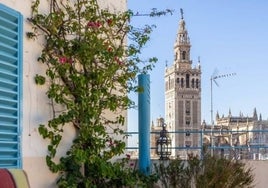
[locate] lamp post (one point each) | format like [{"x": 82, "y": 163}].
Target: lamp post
[{"x": 163, "y": 143}]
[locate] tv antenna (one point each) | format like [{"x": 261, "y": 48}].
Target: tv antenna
[{"x": 213, "y": 78}]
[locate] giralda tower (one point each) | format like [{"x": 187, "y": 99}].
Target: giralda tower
[{"x": 183, "y": 96}]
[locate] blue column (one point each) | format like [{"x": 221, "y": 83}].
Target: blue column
[{"x": 144, "y": 123}]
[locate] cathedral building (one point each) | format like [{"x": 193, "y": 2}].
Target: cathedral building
[
  {"x": 183, "y": 97},
  {"x": 238, "y": 137}
]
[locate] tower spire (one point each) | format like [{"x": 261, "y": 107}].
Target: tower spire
[
  {"x": 182, "y": 46},
  {"x": 181, "y": 13}
]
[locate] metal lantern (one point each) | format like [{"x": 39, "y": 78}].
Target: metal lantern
[{"x": 163, "y": 144}]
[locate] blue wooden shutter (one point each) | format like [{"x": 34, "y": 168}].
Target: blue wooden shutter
[{"x": 10, "y": 87}]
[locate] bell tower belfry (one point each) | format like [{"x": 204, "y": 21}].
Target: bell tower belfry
[
  {"x": 182, "y": 46},
  {"x": 183, "y": 96}
]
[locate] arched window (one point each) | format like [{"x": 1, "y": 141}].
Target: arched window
[
  {"x": 178, "y": 80},
  {"x": 187, "y": 80},
  {"x": 197, "y": 83},
  {"x": 184, "y": 55},
  {"x": 187, "y": 133},
  {"x": 188, "y": 108},
  {"x": 192, "y": 83},
  {"x": 182, "y": 82}
]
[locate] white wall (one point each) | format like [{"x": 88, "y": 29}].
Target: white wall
[{"x": 36, "y": 108}]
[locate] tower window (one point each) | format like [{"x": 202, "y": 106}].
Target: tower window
[
  {"x": 182, "y": 82},
  {"x": 192, "y": 83},
  {"x": 187, "y": 80},
  {"x": 183, "y": 55},
  {"x": 187, "y": 111},
  {"x": 187, "y": 107},
  {"x": 187, "y": 122},
  {"x": 187, "y": 143},
  {"x": 188, "y": 133},
  {"x": 197, "y": 83}
]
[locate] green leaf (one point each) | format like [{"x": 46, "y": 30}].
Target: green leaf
[{"x": 39, "y": 80}]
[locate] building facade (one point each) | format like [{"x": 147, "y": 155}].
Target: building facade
[{"x": 183, "y": 96}]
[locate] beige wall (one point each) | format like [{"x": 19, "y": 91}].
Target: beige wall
[
  {"x": 36, "y": 108},
  {"x": 260, "y": 169}
]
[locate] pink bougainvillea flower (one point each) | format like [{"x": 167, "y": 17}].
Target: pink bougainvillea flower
[
  {"x": 110, "y": 49},
  {"x": 94, "y": 25},
  {"x": 118, "y": 61},
  {"x": 63, "y": 60},
  {"x": 110, "y": 142},
  {"x": 91, "y": 24},
  {"x": 128, "y": 156},
  {"x": 109, "y": 22}
]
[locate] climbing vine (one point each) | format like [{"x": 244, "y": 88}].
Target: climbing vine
[{"x": 90, "y": 69}]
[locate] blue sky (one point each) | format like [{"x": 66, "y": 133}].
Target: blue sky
[{"x": 230, "y": 36}]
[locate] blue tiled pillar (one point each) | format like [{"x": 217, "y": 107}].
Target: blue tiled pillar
[{"x": 144, "y": 123}]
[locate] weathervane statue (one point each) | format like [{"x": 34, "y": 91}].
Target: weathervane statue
[{"x": 181, "y": 13}]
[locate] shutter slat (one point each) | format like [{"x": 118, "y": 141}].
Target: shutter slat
[
  {"x": 8, "y": 58},
  {"x": 8, "y": 78},
  {"x": 8, "y": 68},
  {"x": 10, "y": 88},
  {"x": 9, "y": 24},
  {"x": 9, "y": 32},
  {"x": 7, "y": 15},
  {"x": 8, "y": 129},
  {"x": 8, "y": 40},
  {"x": 9, "y": 50}
]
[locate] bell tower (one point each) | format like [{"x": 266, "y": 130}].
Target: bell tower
[{"x": 183, "y": 96}]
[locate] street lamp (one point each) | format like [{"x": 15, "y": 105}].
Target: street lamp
[{"x": 163, "y": 143}]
